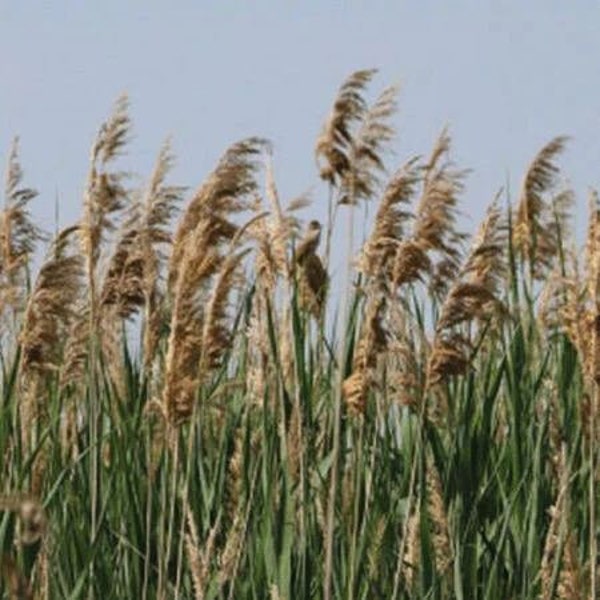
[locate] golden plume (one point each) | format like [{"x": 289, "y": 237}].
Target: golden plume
[
  {"x": 18, "y": 236},
  {"x": 105, "y": 193},
  {"x": 559, "y": 565},
  {"x": 228, "y": 190},
  {"x": 436, "y": 212},
  {"x": 74, "y": 364},
  {"x": 134, "y": 270},
  {"x": 472, "y": 296},
  {"x": 361, "y": 180},
  {"x": 204, "y": 258},
  {"x": 49, "y": 313},
  {"x": 372, "y": 343},
  {"x": 216, "y": 331},
  {"x": 335, "y": 140},
  {"x": 377, "y": 257},
  {"x": 534, "y": 237},
  {"x": 273, "y": 234}
]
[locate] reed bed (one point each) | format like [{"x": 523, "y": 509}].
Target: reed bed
[{"x": 192, "y": 409}]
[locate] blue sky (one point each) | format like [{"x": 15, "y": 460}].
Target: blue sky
[{"x": 506, "y": 76}]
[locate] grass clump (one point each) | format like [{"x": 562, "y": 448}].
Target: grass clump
[{"x": 182, "y": 417}]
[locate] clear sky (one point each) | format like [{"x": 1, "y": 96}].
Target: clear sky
[{"x": 505, "y": 75}]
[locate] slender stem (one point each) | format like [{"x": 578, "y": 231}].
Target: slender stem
[
  {"x": 337, "y": 418},
  {"x": 592, "y": 491},
  {"x": 94, "y": 425},
  {"x": 412, "y": 486},
  {"x": 185, "y": 494},
  {"x": 301, "y": 455},
  {"x": 173, "y": 500},
  {"x": 161, "y": 561},
  {"x": 331, "y": 213},
  {"x": 358, "y": 474},
  {"x": 149, "y": 494},
  {"x": 245, "y": 533}
]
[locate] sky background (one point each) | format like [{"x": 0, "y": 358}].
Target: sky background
[{"x": 506, "y": 76}]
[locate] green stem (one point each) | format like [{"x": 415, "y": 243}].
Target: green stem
[{"x": 337, "y": 417}]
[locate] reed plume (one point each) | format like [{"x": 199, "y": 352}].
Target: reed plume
[
  {"x": 534, "y": 237},
  {"x": 49, "y": 309},
  {"x": 133, "y": 277},
  {"x": 575, "y": 297},
  {"x": 472, "y": 296},
  {"x": 258, "y": 353},
  {"x": 475, "y": 293},
  {"x": 122, "y": 288},
  {"x": 335, "y": 141},
  {"x": 198, "y": 260},
  {"x": 361, "y": 180},
  {"x": 377, "y": 256},
  {"x": 216, "y": 331},
  {"x": 592, "y": 246},
  {"x": 440, "y": 536},
  {"x": 199, "y": 557},
  {"x": 559, "y": 555},
  {"x": 47, "y": 317},
  {"x": 185, "y": 339},
  {"x": 433, "y": 246},
  {"x": 434, "y": 229},
  {"x": 75, "y": 356},
  {"x": 271, "y": 235},
  {"x": 227, "y": 191},
  {"x": 134, "y": 271},
  {"x": 429, "y": 510},
  {"x": 592, "y": 282},
  {"x": 18, "y": 236},
  {"x": 105, "y": 193},
  {"x": 372, "y": 343},
  {"x": 407, "y": 357},
  {"x": 411, "y": 263},
  {"x": 412, "y": 555},
  {"x": 160, "y": 204}
]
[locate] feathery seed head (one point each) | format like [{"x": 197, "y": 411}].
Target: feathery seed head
[{"x": 336, "y": 137}]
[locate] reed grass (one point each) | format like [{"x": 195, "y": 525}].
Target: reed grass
[{"x": 187, "y": 414}]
